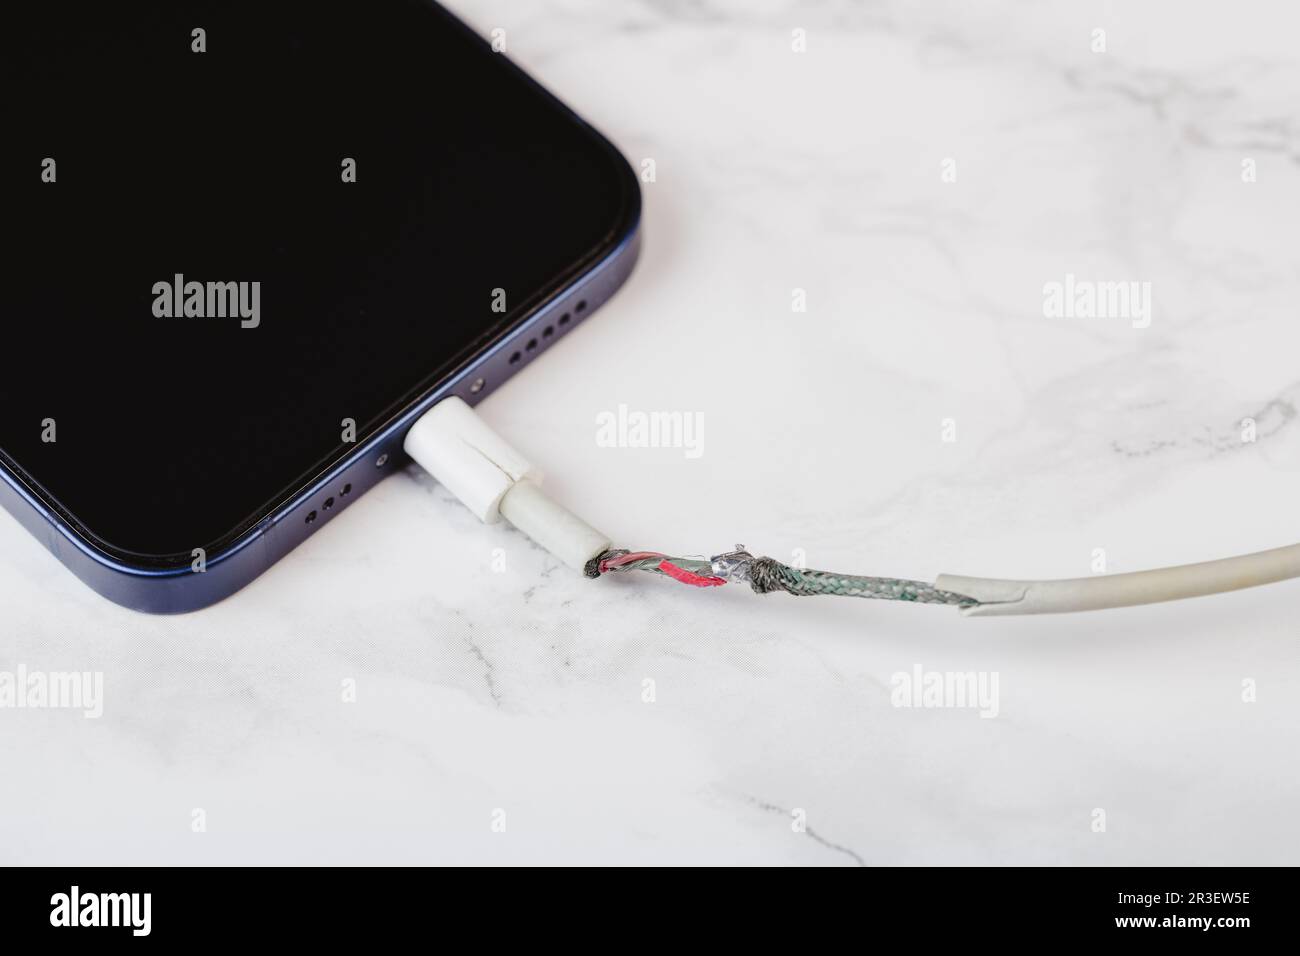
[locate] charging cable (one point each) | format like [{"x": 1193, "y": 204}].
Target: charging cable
[{"x": 494, "y": 481}]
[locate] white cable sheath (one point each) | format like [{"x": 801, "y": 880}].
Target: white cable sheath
[
  {"x": 998, "y": 596},
  {"x": 494, "y": 481},
  {"x": 551, "y": 525}
]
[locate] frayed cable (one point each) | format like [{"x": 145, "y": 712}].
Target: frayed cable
[{"x": 766, "y": 575}]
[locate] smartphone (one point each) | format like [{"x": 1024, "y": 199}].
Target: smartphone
[{"x": 249, "y": 244}]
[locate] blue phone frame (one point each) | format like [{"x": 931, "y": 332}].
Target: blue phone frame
[{"x": 179, "y": 589}]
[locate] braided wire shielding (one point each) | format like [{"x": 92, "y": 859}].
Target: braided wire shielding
[{"x": 768, "y": 574}]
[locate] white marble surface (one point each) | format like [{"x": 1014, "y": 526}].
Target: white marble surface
[{"x": 522, "y": 690}]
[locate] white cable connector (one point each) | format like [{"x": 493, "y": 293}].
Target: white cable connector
[{"x": 494, "y": 481}]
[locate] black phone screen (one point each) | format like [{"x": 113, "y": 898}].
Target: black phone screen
[{"x": 234, "y": 227}]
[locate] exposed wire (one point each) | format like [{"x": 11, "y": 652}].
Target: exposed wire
[
  {"x": 767, "y": 574},
  {"x": 496, "y": 482}
]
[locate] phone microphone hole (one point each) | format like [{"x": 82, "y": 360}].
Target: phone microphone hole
[
  {"x": 329, "y": 503},
  {"x": 311, "y": 516},
  {"x": 347, "y": 490}
]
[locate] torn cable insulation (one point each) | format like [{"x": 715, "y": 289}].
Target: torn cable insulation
[{"x": 766, "y": 575}]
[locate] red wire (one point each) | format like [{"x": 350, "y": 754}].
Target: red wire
[
  {"x": 667, "y": 567},
  {"x": 689, "y": 577}
]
